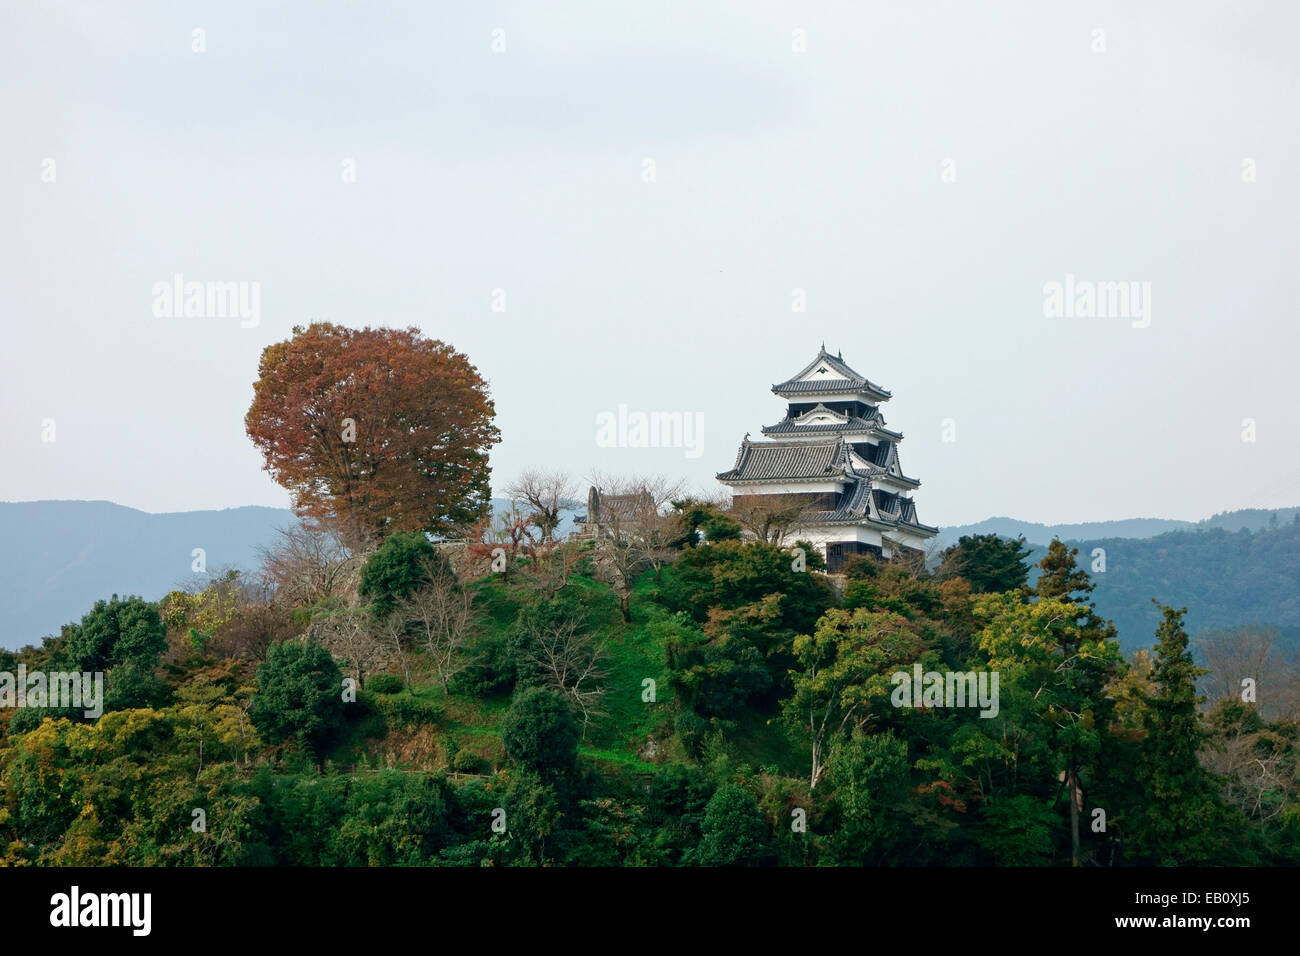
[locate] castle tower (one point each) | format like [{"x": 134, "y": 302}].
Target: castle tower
[{"x": 833, "y": 455}]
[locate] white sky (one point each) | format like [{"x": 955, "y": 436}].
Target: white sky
[{"x": 776, "y": 170}]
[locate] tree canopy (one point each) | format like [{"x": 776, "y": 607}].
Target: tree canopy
[{"x": 383, "y": 428}]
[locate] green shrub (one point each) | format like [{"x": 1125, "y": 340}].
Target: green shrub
[
  {"x": 466, "y": 761},
  {"x": 384, "y": 684},
  {"x": 407, "y": 711},
  {"x": 492, "y": 673},
  {"x": 540, "y": 733},
  {"x": 734, "y": 831}
]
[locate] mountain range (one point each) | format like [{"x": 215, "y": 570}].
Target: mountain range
[{"x": 59, "y": 557}]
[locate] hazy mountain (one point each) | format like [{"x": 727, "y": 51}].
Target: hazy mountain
[
  {"x": 1252, "y": 519},
  {"x": 59, "y": 557}
]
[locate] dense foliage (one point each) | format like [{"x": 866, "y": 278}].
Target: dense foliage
[{"x": 748, "y": 714}]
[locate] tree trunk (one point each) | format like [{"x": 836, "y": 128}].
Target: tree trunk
[{"x": 1074, "y": 816}]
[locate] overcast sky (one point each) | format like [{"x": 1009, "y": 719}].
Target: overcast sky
[{"x": 920, "y": 171}]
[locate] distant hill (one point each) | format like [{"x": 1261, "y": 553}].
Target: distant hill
[
  {"x": 1252, "y": 519},
  {"x": 1235, "y": 568},
  {"x": 59, "y": 557},
  {"x": 1224, "y": 579}
]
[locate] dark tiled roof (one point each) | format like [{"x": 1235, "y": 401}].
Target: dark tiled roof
[
  {"x": 897, "y": 509},
  {"x": 759, "y": 461},
  {"x": 882, "y": 454},
  {"x": 852, "y": 423},
  {"x": 852, "y": 508},
  {"x": 852, "y": 381}
]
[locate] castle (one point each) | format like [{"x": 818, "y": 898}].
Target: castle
[{"x": 833, "y": 458}]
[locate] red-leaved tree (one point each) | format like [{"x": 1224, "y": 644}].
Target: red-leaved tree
[{"x": 381, "y": 428}]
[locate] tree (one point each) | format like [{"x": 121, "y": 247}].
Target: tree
[
  {"x": 843, "y": 668},
  {"x": 714, "y": 677},
  {"x": 309, "y": 563},
  {"x": 734, "y": 831},
  {"x": 441, "y": 614},
  {"x": 396, "y": 569},
  {"x": 749, "y": 590},
  {"x": 234, "y": 615},
  {"x": 124, "y": 638},
  {"x": 659, "y": 529},
  {"x": 391, "y": 635},
  {"x": 540, "y": 734},
  {"x": 547, "y": 493},
  {"x": 299, "y": 695},
  {"x": 635, "y": 532},
  {"x": 354, "y": 638},
  {"x": 561, "y": 649},
  {"x": 769, "y": 518},
  {"x": 118, "y": 631},
  {"x": 705, "y": 519},
  {"x": 868, "y": 777},
  {"x": 1178, "y": 820},
  {"x": 1060, "y": 577},
  {"x": 1056, "y": 662},
  {"x": 990, "y": 563},
  {"x": 1254, "y": 652},
  {"x": 384, "y": 428},
  {"x": 1258, "y": 763}
]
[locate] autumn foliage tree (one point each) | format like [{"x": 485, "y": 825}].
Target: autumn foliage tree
[{"x": 382, "y": 428}]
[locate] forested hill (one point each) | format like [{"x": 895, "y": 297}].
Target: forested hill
[
  {"x": 1223, "y": 578},
  {"x": 1251, "y": 519}
]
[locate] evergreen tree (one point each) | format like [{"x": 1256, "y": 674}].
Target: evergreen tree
[
  {"x": 1060, "y": 577},
  {"x": 399, "y": 567},
  {"x": 540, "y": 733},
  {"x": 734, "y": 831},
  {"x": 1179, "y": 820},
  {"x": 1056, "y": 662},
  {"x": 300, "y": 694},
  {"x": 990, "y": 563}
]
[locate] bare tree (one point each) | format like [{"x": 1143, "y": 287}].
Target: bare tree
[
  {"x": 549, "y": 568},
  {"x": 349, "y": 634},
  {"x": 633, "y": 529},
  {"x": 569, "y": 657},
  {"x": 225, "y": 613},
  {"x": 309, "y": 563},
  {"x": 510, "y": 534},
  {"x": 1254, "y": 763},
  {"x": 442, "y": 616},
  {"x": 547, "y": 493},
  {"x": 770, "y": 518},
  {"x": 1230, "y": 656},
  {"x": 658, "y": 528},
  {"x": 391, "y": 633}
]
